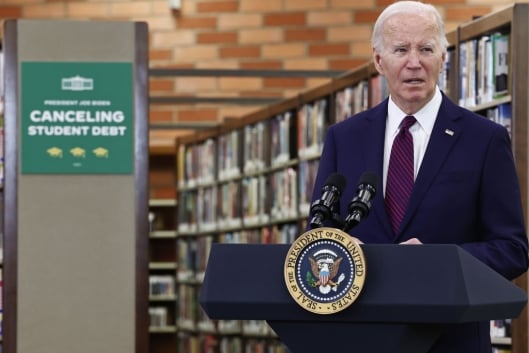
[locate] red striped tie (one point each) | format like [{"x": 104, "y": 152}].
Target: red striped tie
[{"x": 399, "y": 181}]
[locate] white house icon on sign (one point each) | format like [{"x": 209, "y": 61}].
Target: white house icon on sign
[{"x": 77, "y": 83}]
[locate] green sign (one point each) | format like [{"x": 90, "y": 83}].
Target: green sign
[{"x": 76, "y": 118}]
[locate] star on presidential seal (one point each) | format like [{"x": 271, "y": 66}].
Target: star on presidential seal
[{"x": 325, "y": 270}]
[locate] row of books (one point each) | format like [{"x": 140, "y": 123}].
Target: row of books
[
  {"x": 189, "y": 343},
  {"x": 239, "y": 345},
  {"x": 501, "y": 114},
  {"x": 484, "y": 65},
  {"x": 159, "y": 317},
  {"x": 161, "y": 286},
  {"x": 193, "y": 252},
  {"x": 273, "y": 234},
  {"x": 187, "y": 307},
  {"x": 500, "y": 328},
  {"x": 221, "y": 158},
  {"x": 228, "y": 156},
  {"x": 283, "y": 192},
  {"x": 207, "y": 209},
  {"x": 192, "y": 318},
  {"x": 307, "y": 176},
  {"x": 195, "y": 165},
  {"x": 255, "y": 155},
  {"x": 312, "y": 124},
  {"x": 187, "y": 211},
  {"x": 256, "y": 328},
  {"x": 281, "y": 128},
  {"x": 351, "y": 100},
  {"x": 444, "y": 81},
  {"x": 266, "y": 144},
  {"x": 254, "y": 200},
  {"x": 359, "y": 97},
  {"x": 248, "y": 202},
  {"x": 231, "y": 344}
]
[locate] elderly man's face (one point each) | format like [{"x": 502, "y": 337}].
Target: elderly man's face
[{"x": 411, "y": 60}]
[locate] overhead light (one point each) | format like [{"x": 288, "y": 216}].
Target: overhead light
[{"x": 175, "y": 4}]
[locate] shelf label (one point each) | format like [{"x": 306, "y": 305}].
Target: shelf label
[{"x": 76, "y": 118}]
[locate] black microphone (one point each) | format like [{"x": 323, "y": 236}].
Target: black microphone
[
  {"x": 360, "y": 205},
  {"x": 321, "y": 209}
]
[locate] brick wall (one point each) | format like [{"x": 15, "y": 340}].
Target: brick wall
[{"x": 241, "y": 34}]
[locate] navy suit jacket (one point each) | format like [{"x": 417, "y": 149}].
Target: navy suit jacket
[{"x": 466, "y": 193}]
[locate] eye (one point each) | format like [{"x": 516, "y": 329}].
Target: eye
[{"x": 400, "y": 50}]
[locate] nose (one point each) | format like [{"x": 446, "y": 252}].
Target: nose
[{"x": 414, "y": 59}]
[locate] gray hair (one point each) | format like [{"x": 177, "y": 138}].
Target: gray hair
[{"x": 407, "y": 7}]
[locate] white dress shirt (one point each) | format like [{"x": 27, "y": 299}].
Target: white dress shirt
[{"x": 420, "y": 131}]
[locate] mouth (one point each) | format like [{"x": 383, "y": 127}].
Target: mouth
[{"x": 414, "y": 81}]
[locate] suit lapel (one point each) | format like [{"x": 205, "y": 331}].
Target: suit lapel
[
  {"x": 445, "y": 133},
  {"x": 374, "y": 151}
]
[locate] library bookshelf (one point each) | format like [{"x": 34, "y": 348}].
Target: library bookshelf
[
  {"x": 162, "y": 216},
  {"x": 511, "y": 24},
  {"x": 250, "y": 180}
]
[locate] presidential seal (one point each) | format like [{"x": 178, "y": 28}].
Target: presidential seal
[{"x": 325, "y": 270}]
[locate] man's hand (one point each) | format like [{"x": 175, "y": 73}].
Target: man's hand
[{"x": 412, "y": 241}]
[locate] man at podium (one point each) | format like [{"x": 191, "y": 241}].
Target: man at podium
[{"x": 447, "y": 175}]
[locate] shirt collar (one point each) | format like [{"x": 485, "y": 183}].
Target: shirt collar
[{"x": 425, "y": 117}]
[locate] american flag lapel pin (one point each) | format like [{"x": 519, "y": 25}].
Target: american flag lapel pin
[{"x": 449, "y": 132}]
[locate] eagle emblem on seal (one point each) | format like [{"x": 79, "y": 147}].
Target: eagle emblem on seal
[{"x": 325, "y": 265}]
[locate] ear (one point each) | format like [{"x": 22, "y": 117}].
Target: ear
[
  {"x": 443, "y": 62},
  {"x": 377, "y": 59}
]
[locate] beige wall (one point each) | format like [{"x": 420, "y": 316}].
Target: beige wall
[
  {"x": 76, "y": 262},
  {"x": 233, "y": 34}
]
